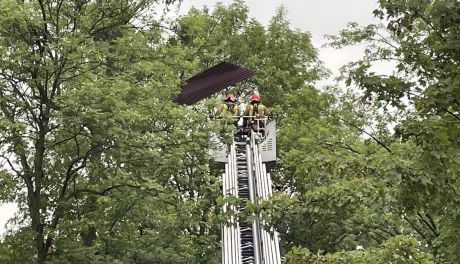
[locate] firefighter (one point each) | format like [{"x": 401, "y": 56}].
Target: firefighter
[
  {"x": 255, "y": 113},
  {"x": 229, "y": 105}
]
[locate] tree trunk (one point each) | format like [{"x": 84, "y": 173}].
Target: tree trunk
[
  {"x": 35, "y": 193},
  {"x": 37, "y": 226}
]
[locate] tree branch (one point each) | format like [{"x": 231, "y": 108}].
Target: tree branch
[
  {"x": 452, "y": 114},
  {"x": 355, "y": 126},
  {"x": 107, "y": 190},
  {"x": 71, "y": 171},
  {"x": 432, "y": 228},
  {"x": 418, "y": 230}
]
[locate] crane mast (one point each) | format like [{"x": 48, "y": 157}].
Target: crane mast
[{"x": 246, "y": 177}]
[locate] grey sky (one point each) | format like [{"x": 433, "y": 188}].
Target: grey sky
[
  {"x": 319, "y": 17},
  {"x": 6, "y": 212},
  {"x": 316, "y": 16}
]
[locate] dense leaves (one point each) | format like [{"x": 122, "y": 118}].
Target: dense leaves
[
  {"x": 383, "y": 173},
  {"x": 101, "y": 162},
  {"x": 105, "y": 168}
]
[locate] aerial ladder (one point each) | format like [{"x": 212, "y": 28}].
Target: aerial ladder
[{"x": 246, "y": 177}]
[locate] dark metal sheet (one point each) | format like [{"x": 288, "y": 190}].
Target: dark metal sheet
[{"x": 211, "y": 81}]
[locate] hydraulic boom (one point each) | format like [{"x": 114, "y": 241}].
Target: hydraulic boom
[{"x": 246, "y": 177}]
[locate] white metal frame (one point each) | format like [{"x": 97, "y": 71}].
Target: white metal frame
[{"x": 265, "y": 242}]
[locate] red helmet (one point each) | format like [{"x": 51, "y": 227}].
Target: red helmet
[
  {"x": 255, "y": 97},
  {"x": 229, "y": 97}
]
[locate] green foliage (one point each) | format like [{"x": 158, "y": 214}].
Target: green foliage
[
  {"x": 105, "y": 168},
  {"x": 101, "y": 162},
  {"x": 399, "y": 249},
  {"x": 359, "y": 182}
]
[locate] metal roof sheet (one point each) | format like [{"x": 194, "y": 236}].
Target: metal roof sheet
[{"x": 212, "y": 80}]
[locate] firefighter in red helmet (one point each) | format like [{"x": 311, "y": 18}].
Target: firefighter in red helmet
[
  {"x": 255, "y": 110},
  {"x": 229, "y": 106}
]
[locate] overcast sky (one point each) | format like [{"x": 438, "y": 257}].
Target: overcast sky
[{"x": 319, "y": 17}]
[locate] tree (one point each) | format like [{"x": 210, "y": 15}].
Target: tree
[
  {"x": 357, "y": 180},
  {"x": 86, "y": 120},
  {"x": 104, "y": 166},
  {"x": 425, "y": 38}
]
